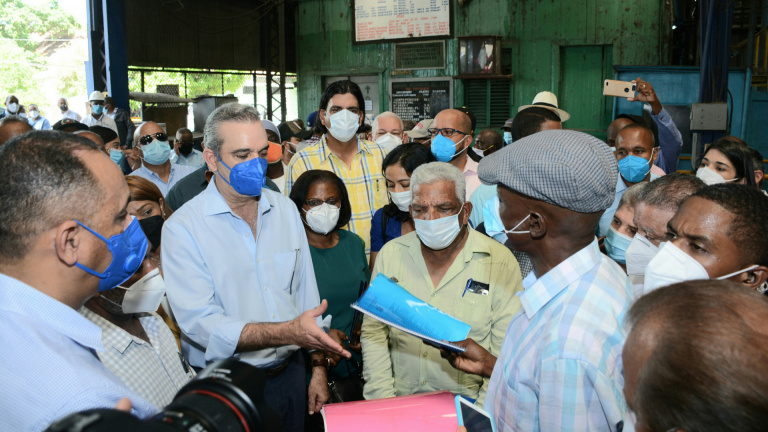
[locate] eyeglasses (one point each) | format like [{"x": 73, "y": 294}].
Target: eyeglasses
[
  {"x": 446, "y": 132},
  {"x": 146, "y": 139},
  {"x": 314, "y": 202}
]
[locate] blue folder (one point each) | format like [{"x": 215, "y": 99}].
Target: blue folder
[{"x": 391, "y": 304}]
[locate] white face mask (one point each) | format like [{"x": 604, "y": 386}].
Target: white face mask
[
  {"x": 402, "y": 200},
  {"x": 638, "y": 255},
  {"x": 13, "y": 107},
  {"x": 438, "y": 234},
  {"x": 672, "y": 265},
  {"x": 480, "y": 153},
  {"x": 344, "y": 125},
  {"x": 34, "y": 113},
  {"x": 323, "y": 218},
  {"x": 389, "y": 141},
  {"x": 145, "y": 294},
  {"x": 710, "y": 176}
]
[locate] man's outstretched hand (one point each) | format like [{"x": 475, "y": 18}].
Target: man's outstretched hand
[
  {"x": 307, "y": 334},
  {"x": 475, "y": 360}
]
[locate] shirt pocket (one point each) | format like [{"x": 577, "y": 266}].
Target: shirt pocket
[
  {"x": 281, "y": 269},
  {"x": 475, "y": 310}
]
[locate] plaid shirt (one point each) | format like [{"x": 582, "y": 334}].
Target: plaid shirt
[
  {"x": 155, "y": 372},
  {"x": 560, "y": 364},
  {"x": 364, "y": 180}
]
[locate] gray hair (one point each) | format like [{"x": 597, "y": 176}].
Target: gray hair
[
  {"x": 137, "y": 134},
  {"x": 629, "y": 197},
  {"x": 231, "y": 112},
  {"x": 669, "y": 192},
  {"x": 385, "y": 114},
  {"x": 440, "y": 171}
]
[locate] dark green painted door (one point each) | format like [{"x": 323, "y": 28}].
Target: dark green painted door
[{"x": 582, "y": 71}]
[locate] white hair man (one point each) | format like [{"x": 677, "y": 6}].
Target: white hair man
[
  {"x": 387, "y": 130},
  {"x": 455, "y": 269}
]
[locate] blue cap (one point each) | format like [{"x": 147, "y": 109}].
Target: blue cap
[{"x": 311, "y": 120}]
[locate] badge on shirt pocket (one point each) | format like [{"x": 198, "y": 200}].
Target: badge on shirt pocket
[{"x": 476, "y": 287}]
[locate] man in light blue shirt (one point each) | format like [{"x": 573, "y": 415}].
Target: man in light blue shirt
[
  {"x": 151, "y": 142},
  {"x": 239, "y": 274},
  {"x": 183, "y": 151},
  {"x": 48, "y": 362},
  {"x": 559, "y": 367}
]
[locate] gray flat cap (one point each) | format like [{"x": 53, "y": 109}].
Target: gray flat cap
[{"x": 565, "y": 168}]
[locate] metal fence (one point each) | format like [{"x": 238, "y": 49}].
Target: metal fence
[{"x": 250, "y": 87}]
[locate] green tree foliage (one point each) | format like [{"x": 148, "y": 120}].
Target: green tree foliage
[
  {"x": 197, "y": 83},
  {"x": 41, "y": 26},
  {"x": 28, "y": 36}
]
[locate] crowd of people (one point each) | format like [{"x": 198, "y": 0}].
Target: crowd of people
[{"x": 604, "y": 289}]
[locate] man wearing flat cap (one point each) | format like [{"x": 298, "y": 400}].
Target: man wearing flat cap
[{"x": 559, "y": 366}]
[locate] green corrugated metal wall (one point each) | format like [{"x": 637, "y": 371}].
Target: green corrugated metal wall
[{"x": 534, "y": 32}]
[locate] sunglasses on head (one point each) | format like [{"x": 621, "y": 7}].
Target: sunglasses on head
[{"x": 146, "y": 139}]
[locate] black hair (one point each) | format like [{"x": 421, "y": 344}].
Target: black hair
[
  {"x": 336, "y": 88},
  {"x": 409, "y": 156},
  {"x": 629, "y": 127},
  {"x": 749, "y": 227},
  {"x": 757, "y": 163},
  {"x": 109, "y": 100},
  {"x": 528, "y": 121},
  {"x": 738, "y": 155},
  {"x": 105, "y": 133},
  {"x": 44, "y": 183},
  {"x": 300, "y": 190},
  {"x": 706, "y": 348},
  {"x": 668, "y": 192}
]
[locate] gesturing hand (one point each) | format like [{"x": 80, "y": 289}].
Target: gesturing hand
[
  {"x": 645, "y": 93},
  {"x": 307, "y": 334}
]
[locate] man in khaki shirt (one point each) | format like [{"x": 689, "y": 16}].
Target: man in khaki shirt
[{"x": 452, "y": 267}]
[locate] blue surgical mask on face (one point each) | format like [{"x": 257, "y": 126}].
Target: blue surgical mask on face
[
  {"x": 127, "y": 248},
  {"x": 635, "y": 168},
  {"x": 247, "y": 178},
  {"x": 507, "y": 138},
  {"x": 117, "y": 156},
  {"x": 444, "y": 148},
  {"x": 97, "y": 109},
  {"x": 157, "y": 152},
  {"x": 616, "y": 245}
]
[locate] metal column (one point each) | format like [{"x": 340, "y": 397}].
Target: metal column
[{"x": 276, "y": 64}]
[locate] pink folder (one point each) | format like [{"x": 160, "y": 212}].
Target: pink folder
[{"x": 424, "y": 412}]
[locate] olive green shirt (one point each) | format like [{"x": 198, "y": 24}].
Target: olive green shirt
[{"x": 396, "y": 363}]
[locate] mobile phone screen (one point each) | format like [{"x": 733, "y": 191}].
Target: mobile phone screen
[{"x": 474, "y": 420}]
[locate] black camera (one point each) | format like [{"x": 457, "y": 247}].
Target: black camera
[{"x": 226, "y": 396}]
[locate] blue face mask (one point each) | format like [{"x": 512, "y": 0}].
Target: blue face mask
[
  {"x": 97, "y": 109},
  {"x": 507, "y": 138},
  {"x": 117, "y": 156},
  {"x": 635, "y": 168},
  {"x": 247, "y": 178},
  {"x": 492, "y": 220},
  {"x": 127, "y": 248},
  {"x": 157, "y": 152},
  {"x": 616, "y": 245},
  {"x": 444, "y": 148}
]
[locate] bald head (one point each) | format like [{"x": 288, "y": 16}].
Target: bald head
[
  {"x": 91, "y": 136},
  {"x": 454, "y": 119},
  {"x": 13, "y": 126},
  {"x": 146, "y": 128},
  {"x": 694, "y": 358},
  {"x": 615, "y": 127}
]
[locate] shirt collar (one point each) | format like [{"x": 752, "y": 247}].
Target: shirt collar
[
  {"x": 216, "y": 204},
  {"x": 20, "y": 298},
  {"x": 538, "y": 292},
  {"x": 471, "y": 166},
  {"x": 325, "y": 152}
]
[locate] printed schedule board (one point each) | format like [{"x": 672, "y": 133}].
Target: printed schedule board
[
  {"x": 420, "y": 98},
  {"x": 391, "y": 20}
]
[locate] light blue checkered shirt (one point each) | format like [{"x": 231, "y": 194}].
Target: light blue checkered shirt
[
  {"x": 560, "y": 364},
  {"x": 48, "y": 363}
]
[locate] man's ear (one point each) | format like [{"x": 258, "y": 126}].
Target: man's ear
[
  {"x": 321, "y": 116},
  {"x": 406, "y": 138},
  {"x": 656, "y": 151},
  {"x": 67, "y": 241},
  {"x": 467, "y": 212},
  {"x": 537, "y": 225},
  {"x": 759, "y": 175},
  {"x": 210, "y": 158},
  {"x": 756, "y": 277}
]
